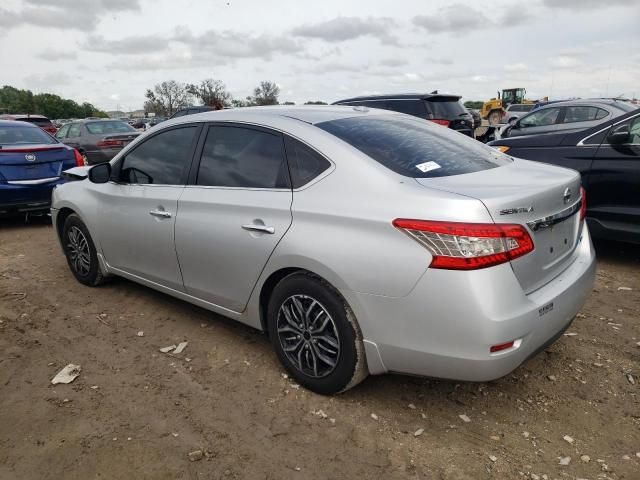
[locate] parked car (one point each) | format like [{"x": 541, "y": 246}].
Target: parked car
[
  {"x": 97, "y": 140},
  {"x": 477, "y": 119},
  {"x": 446, "y": 110},
  {"x": 515, "y": 111},
  {"x": 138, "y": 123},
  {"x": 153, "y": 122},
  {"x": 607, "y": 156},
  {"x": 191, "y": 111},
  {"x": 566, "y": 117},
  {"x": 39, "y": 120},
  {"x": 31, "y": 162},
  {"x": 362, "y": 240}
]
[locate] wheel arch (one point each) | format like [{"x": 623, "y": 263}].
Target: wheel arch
[{"x": 61, "y": 218}]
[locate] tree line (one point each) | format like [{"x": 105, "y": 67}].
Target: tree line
[
  {"x": 14, "y": 100},
  {"x": 165, "y": 98}
]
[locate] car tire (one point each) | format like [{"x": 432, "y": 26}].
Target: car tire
[
  {"x": 315, "y": 334},
  {"x": 81, "y": 252}
]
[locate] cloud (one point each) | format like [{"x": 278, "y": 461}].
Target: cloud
[
  {"x": 516, "y": 67},
  {"x": 454, "y": 18},
  {"x": 458, "y": 18},
  {"x": 47, "y": 81},
  {"x": 341, "y": 29},
  {"x": 54, "y": 55},
  {"x": 65, "y": 14},
  {"x": 393, "y": 62},
  {"x": 565, "y": 61},
  {"x": 126, "y": 46},
  {"x": 587, "y": 4}
]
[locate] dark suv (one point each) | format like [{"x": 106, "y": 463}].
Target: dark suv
[{"x": 446, "y": 110}]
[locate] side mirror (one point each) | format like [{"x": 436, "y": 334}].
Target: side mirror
[
  {"x": 100, "y": 173},
  {"x": 619, "y": 135}
]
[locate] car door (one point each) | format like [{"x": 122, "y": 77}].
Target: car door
[
  {"x": 580, "y": 117},
  {"x": 613, "y": 190},
  {"x": 137, "y": 210},
  {"x": 545, "y": 120},
  {"x": 233, "y": 213}
]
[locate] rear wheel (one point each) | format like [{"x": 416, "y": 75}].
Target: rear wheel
[
  {"x": 81, "y": 252},
  {"x": 315, "y": 334},
  {"x": 495, "y": 117}
]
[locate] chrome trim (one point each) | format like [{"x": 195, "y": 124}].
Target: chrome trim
[
  {"x": 33, "y": 182},
  {"x": 581, "y": 142},
  {"x": 254, "y": 227},
  {"x": 551, "y": 220}
]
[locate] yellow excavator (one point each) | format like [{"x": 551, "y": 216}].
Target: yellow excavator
[{"x": 494, "y": 109}]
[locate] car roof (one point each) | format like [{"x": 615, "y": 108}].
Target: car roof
[
  {"x": 399, "y": 96},
  {"x": 589, "y": 101},
  {"x": 14, "y": 123},
  {"x": 311, "y": 114}
]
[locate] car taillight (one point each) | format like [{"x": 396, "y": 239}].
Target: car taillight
[
  {"x": 468, "y": 246},
  {"x": 583, "y": 205},
  {"x": 79, "y": 160},
  {"x": 441, "y": 122},
  {"x": 109, "y": 143}
]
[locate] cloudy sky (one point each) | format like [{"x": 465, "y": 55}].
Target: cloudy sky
[{"x": 108, "y": 52}]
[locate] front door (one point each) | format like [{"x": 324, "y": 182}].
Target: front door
[
  {"x": 233, "y": 214},
  {"x": 137, "y": 210},
  {"x": 613, "y": 190}
]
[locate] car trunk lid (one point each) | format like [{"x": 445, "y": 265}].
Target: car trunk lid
[
  {"x": 24, "y": 163},
  {"x": 543, "y": 198}
]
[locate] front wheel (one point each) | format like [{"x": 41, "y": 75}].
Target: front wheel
[
  {"x": 315, "y": 335},
  {"x": 81, "y": 252}
]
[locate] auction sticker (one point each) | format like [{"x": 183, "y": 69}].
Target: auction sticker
[{"x": 427, "y": 166}]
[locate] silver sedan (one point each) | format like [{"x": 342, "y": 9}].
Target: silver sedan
[{"x": 361, "y": 241}]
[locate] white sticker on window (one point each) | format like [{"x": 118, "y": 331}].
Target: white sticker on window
[{"x": 427, "y": 166}]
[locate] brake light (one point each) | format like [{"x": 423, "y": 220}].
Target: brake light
[
  {"x": 499, "y": 348},
  {"x": 79, "y": 160},
  {"x": 468, "y": 246},
  {"x": 109, "y": 143},
  {"x": 444, "y": 123},
  {"x": 583, "y": 205}
]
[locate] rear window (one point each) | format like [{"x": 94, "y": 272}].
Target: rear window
[
  {"x": 100, "y": 128},
  {"x": 40, "y": 122},
  {"x": 415, "y": 148},
  {"x": 445, "y": 108},
  {"x": 23, "y": 135}
]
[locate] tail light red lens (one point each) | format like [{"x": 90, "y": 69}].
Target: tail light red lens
[
  {"x": 110, "y": 143},
  {"x": 79, "y": 160},
  {"x": 502, "y": 346},
  {"x": 444, "y": 123},
  {"x": 468, "y": 246},
  {"x": 583, "y": 205}
]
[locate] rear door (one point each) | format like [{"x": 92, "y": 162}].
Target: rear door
[
  {"x": 137, "y": 211},
  {"x": 233, "y": 213},
  {"x": 614, "y": 182}
]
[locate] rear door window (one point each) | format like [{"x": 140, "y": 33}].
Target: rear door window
[
  {"x": 414, "y": 148},
  {"x": 241, "y": 157},
  {"x": 305, "y": 164},
  {"x": 583, "y": 114},
  {"x": 74, "y": 130}
]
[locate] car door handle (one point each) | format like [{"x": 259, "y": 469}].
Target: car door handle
[
  {"x": 254, "y": 227},
  {"x": 160, "y": 213}
]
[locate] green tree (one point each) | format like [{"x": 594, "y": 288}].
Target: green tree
[
  {"x": 13, "y": 100},
  {"x": 475, "y": 104},
  {"x": 167, "y": 97},
  {"x": 316, "y": 102},
  {"x": 210, "y": 90},
  {"x": 265, "y": 94}
]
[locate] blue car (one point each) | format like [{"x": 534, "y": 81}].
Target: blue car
[{"x": 31, "y": 164}]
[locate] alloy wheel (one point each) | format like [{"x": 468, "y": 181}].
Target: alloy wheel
[
  {"x": 78, "y": 251},
  {"x": 308, "y": 336}
]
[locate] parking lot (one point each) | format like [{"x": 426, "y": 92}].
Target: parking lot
[{"x": 134, "y": 408}]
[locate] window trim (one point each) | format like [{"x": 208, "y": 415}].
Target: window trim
[
  {"x": 116, "y": 167},
  {"x": 197, "y": 156},
  {"x": 588, "y": 145},
  {"x": 317, "y": 178}
]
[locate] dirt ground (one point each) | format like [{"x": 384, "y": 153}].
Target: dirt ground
[{"x": 136, "y": 413}]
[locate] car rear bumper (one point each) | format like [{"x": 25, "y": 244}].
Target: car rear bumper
[
  {"x": 26, "y": 198},
  {"x": 445, "y": 327}
]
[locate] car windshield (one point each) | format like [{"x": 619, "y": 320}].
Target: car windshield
[
  {"x": 116, "y": 126},
  {"x": 413, "y": 147},
  {"x": 18, "y": 135},
  {"x": 39, "y": 121},
  {"x": 444, "y": 108}
]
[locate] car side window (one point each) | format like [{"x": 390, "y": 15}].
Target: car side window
[
  {"x": 305, "y": 164},
  {"x": 241, "y": 157},
  {"x": 634, "y": 131},
  {"x": 74, "y": 131},
  {"x": 160, "y": 160},
  {"x": 583, "y": 114},
  {"x": 540, "y": 118},
  {"x": 62, "y": 133}
]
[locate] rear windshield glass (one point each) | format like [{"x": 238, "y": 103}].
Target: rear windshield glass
[
  {"x": 415, "y": 148},
  {"x": 99, "y": 128},
  {"x": 23, "y": 135},
  {"x": 444, "y": 108},
  {"x": 41, "y": 122}
]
